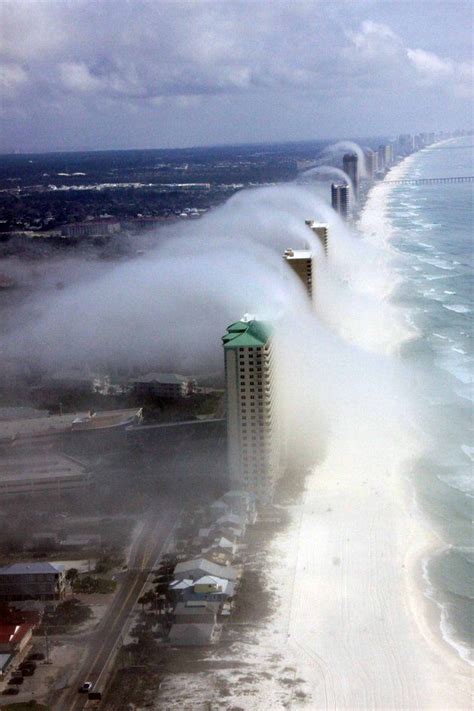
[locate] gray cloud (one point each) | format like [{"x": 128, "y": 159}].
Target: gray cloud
[{"x": 87, "y": 57}]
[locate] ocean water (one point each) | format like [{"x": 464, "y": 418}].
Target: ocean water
[{"x": 433, "y": 238}]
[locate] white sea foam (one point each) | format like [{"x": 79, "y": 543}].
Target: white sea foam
[
  {"x": 447, "y": 630},
  {"x": 458, "y": 308},
  {"x": 432, "y": 294},
  {"x": 435, "y": 277},
  {"x": 465, "y": 393},
  {"x": 438, "y": 263},
  {"x": 459, "y": 368},
  {"x": 468, "y": 451},
  {"x": 449, "y": 634},
  {"x": 460, "y": 482}
]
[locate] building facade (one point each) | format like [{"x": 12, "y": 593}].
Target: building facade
[
  {"x": 340, "y": 199},
  {"x": 167, "y": 385},
  {"x": 350, "y": 166},
  {"x": 14, "y": 637},
  {"x": 32, "y": 581},
  {"x": 300, "y": 262},
  {"x": 320, "y": 229},
  {"x": 370, "y": 163},
  {"x": 252, "y": 428}
]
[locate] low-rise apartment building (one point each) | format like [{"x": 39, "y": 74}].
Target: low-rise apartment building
[{"x": 32, "y": 581}]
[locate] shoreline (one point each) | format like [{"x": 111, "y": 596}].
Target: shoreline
[
  {"x": 359, "y": 626},
  {"x": 432, "y": 619}
]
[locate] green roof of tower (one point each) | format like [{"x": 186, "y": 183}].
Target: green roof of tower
[{"x": 247, "y": 334}]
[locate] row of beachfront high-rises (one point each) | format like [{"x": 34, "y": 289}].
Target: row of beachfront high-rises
[
  {"x": 345, "y": 194},
  {"x": 255, "y": 435}
]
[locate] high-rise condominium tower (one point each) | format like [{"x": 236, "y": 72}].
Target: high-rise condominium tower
[
  {"x": 252, "y": 424},
  {"x": 381, "y": 158},
  {"x": 350, "y": 167},
  {"x": 301, "y": 262},
  {"x": 320, "y": 229},
  {"x": 340, "y": 199},
  {"x": 370, "y": 163}
]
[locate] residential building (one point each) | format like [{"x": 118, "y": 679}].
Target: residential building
[
  {"x": 370, "y": 163},
  {"x": 100, "y": 228},
  {"x": 241, "y": 503},
  {"x": 389, "y": 155},
  {"x": 196, "y": 610},
  {"x": 340, "y": 199},
  {"x": 166, "y": 385},
  {"x": 321, "y": 230},
  {"x": 252, "y": 424},
  {"x": 350, "y": 166},
  {"x": 232, "y": 520},
  {"x": 300, "y": 262},
  {"x": 15, "y": 637},
  {"x": 198, "y": 567},
  {"x": 24, "y": 581},
  {"x": 208, "y": 588},
  {"x": 385, "y": 157},
  {"x": 218, "y": 555},
  {"x": 405, "y": 144},
  {"x": 381, "y": 158}
]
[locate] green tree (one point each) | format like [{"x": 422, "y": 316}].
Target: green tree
[{"x": 71, "y": 576}]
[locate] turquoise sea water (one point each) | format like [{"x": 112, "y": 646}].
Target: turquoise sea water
[{"x": 434, "y": 238}]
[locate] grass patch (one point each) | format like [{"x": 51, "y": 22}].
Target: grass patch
[
  {"x": 66, "y": 615},
  {"x": 91, "y": 584},
  {"x": 108, "y": 562}
]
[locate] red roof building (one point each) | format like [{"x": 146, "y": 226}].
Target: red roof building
[{"x": 14, "y": 638}]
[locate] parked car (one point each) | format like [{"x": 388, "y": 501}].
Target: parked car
[
  {"x": 27, "y": 671},
  {"x": 86, "y": 687},
  {"x": 27, "y": 665}
]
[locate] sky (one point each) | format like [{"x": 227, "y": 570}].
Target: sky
[{"x": 118, "y": 74}]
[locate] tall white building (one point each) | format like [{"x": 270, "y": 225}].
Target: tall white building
[
  {"x": 300, "y": 262},
  {"x": 350, "y": 166},
  {"x": 340, "y": 199},
  {"x": 252, "y": 417},
  {"x": 370, "y": 163},
  {"x": 320, "y": 229}
]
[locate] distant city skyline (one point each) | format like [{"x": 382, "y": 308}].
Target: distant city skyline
[{"x": 88, "y": 76}]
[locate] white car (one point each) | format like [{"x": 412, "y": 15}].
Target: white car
[{"x": 86, "y": 687}]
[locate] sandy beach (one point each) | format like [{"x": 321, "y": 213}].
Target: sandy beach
[
  {"x": 353, "y": 620},
  {"x": 357, "y": 621},
  {"x": 359, "y": 628}
]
